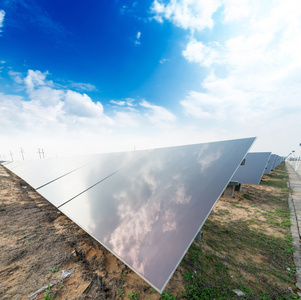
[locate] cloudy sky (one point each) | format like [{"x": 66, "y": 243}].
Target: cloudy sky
[{"x": 101, "y": 76}]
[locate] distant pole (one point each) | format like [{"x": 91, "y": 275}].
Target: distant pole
[
  {"x": 39, "y": 151},
  {"x": 22, "y": 152},
  {"x": 43, "y": 153},
  {"x": 11, "y": 155}
]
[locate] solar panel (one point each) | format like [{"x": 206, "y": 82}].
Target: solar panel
[
  {"x": 251, "y": 172},
  {"x": 270, "y": 164},
  {"x": 278, "y": 162},
  {"x": 40, "y": 172},
  {"x": 149, "y": 212},
  {"x": 146, "y": 207},
  {"x": 78, "y": 181}
]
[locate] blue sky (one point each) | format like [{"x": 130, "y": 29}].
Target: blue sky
[{"x": 98, "y": 76}]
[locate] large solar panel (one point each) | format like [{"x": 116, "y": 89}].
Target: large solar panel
[
  {"x": 270, "y": 164},
  {"x": 251, "y": 172},
  {"x": 149, "y": 212},
  {"x": 145, "y": 207}
]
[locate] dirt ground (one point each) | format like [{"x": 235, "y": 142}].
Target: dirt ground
[{"x": 37, "y": 243}]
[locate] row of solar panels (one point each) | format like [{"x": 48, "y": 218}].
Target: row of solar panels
[
  {"x": 146, "y": 207},
  {"x": 255, "y": 165}
]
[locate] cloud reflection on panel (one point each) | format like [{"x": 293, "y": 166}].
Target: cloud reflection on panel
[
  {"x": 145, "y": 218},
  {"x": 149, "y": 212},
  {"x": 152, "y": 204}
]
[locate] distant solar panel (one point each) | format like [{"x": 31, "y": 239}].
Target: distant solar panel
[
  {"x": 145, "y": 207},
  {"x": 251, "y": 172},
  {"x": 277, "y": 162},
  {"x": 270, "y": 164}
]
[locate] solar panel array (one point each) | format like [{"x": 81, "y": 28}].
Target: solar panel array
[
  {"x": 270, "y": 164},
  {"x": 146, "y": 207},
  {"x": 277, "y": 161},
  {"x": 251, "y": 172}
]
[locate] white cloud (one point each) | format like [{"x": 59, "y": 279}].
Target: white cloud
[
  {"x": 158, "y": 114},
  {"x": 2, "y": 15},
  {"x": 261, "y": 66},
  {"x": 163, "y": 60},
  {"x": 138, "y": 36},
  {"x": 187, "y": 14},
  {"x": 35, "y": 79},
  {"x": 81, "y": 105},
  {"x": 65, "y": 121},
  {"x": 17, "y": 76},
  {"x": 236, "y": 10},
  {"x": 49, "y": 106},
  {"x": 127, "y": 102},
  {"x": 198, "y": 52},
  {"x": 127, "y": 119}
]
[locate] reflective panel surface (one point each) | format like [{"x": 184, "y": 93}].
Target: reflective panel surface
[
  {"x": 37, "y": 173},
  {"x": 251, "y": 172},
  {"x": 150, "y": 211},
  {"x": 270, "y": 164},
  {"x": 76, "y": 182}
]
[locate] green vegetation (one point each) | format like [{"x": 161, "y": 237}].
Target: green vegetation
[
  {"x": 53, "y": 270},
  {"x": 133, "y": 295},
  {"x": 123, "y": 275},
  {"x": 167, "y": 296},
  {"x": 120, "y": 293},
  {"x": 241, "y": 254},
  {"x": 247, "y": 196},
  {"x": 47, "y": 295}
]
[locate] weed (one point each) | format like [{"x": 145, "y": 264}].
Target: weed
[
  {"x": 47, "y": 295},
  {"x": 247, "y": 196},
  {"x": 133, "y": 295},
  {"x": 120, "y": 293},
  {"x": 27, "y": 243},
  {"x": 167, "y": 296},
  {"x": 53, "y": 270},
  {"x": 24, "y": 232}
]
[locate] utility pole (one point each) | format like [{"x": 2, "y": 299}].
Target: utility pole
[
  {"x": 11, "y": 155},
  {"x": 39, "y": 151},
  {"x": 43, "y": 153},
  {"x": 22, "y": 152}
]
